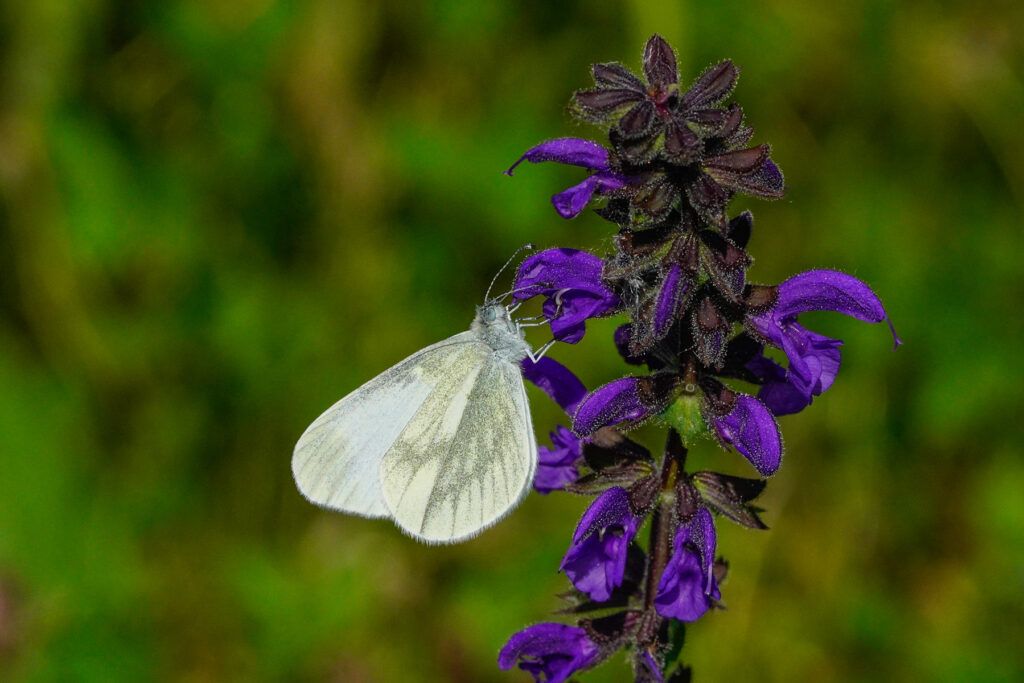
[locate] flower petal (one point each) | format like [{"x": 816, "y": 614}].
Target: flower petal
[
  {"x": 688, "y": 578},
  {"x": 553, "y": 270},
  {"x": 610, "y": 508},
  {"x": 829, "y": 290},
  {"x": 569, "y": 311},
  {"x": 681, "y": 592},
  {"x": 611, "y": 404},
  {"x": 781, "y": 397},
  {"x": 550, "y": 652},
  {"x": 557, "y": 464},
  {"x": 813, "y": 359},
  {"x": 596, "y": 559},
  {"x": 753, "y": 431},
  {"x": 702, "y": 535},
  {"x": 570, "y": 202},
  {"x": 555, "y": 380},
  {"x": 574, "y": 151},
  {"x": 571, "y": 281}
]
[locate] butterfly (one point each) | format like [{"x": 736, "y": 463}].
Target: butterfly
[{"x": 441, "y": 443}]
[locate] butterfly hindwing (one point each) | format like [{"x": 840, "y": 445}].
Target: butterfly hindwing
[
  {"x": 468, "y": 455},
  {"x": 337, "y": 459}
]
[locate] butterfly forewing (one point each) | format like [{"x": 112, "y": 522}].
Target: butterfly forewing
[
  {"x": 468, "y": 454},
  {"x": 337, "y": 459}
]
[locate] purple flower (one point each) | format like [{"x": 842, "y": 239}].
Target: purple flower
[
  {"x": 813, "y": 358},
  {"x": 611, "y": 404},
  {"x": 751, "y": 428},
  {"x": 555, "y": 380},
  {"x": 557, "y": 464},
  {"x": 781, "y": 397},
  {"x": 596, "y": 560},
  {"x": 577, "y": 152},
  {"x": 549, "y": 652},
  {"x": 688, "y": 587},
  {"x": 571, "y": 281}
]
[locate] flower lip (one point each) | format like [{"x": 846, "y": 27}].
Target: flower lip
[
  {"x": 814, "y": 359},
  {"x": 556, "y": 380},
  {"x": 596, "y": 560},
  {"x": 550, "y": 650},
  {"x": 570, "y": 280},
  {"x": 830, "y": 290},
  {"x": 557, "y": 465},
  {"x": 576, "y": 152},
  {"x": 572, "y": 151},
  {"x": 687, "y": 586},
  {"x": 570, "y": 202}
]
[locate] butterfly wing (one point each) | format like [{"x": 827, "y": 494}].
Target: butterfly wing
[
  {"x": 468, "y": 455},
  {"x": 337, "y": 459}
]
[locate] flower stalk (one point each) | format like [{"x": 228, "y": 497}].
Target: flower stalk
[
  {"x": 660, "y": 544},
  {"x": 697, "y": 332}
]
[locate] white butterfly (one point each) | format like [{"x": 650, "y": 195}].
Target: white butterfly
[{"x": 441, "y": 443}]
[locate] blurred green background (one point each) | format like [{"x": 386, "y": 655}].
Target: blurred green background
[{"x": 219, "y": 217}]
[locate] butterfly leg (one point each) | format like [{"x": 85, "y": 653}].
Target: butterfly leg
[
  {"x": 539, "y": 353},
  {"x": 544, "y": 320}
]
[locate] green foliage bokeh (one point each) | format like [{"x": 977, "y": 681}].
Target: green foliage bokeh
[{"x": 216, "y": 218}]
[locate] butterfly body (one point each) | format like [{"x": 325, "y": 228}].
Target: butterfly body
[{"x": 442, "y": 443}]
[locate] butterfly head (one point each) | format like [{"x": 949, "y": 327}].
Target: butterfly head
[
  {"x": 494, "y": 324},
  {"x": 495, "y": 316}
]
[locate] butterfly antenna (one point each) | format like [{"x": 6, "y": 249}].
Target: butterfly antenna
[{"x": 528, "y": 246}]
